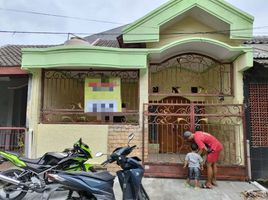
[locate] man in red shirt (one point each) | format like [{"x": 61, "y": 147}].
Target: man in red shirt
[{"x": 208, "y": 143}]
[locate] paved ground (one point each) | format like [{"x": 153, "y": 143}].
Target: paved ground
[{"x": 175, "y": 189}]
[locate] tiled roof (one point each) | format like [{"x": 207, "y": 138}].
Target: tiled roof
[
  {"x": 106, "y": 43},
  {"x": 260, "y": 51},
  {"x": 10, "y": 55},
  {"x": 111, "y": 34},
  {"x": 258, "y": 40},
  {"x": 260, "y": 48}
]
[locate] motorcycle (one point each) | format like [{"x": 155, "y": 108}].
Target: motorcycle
[
  {"x": 99, "y": 185},
  {"x": 30, "y": 175}
]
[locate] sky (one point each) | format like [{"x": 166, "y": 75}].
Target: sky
[{"x": 97, "y": 15}]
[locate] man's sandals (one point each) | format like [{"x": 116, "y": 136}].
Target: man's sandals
[
  {"x": 205, "y": 186},
  {"x": 214, "y": 184}
]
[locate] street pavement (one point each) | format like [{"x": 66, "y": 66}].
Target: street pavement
[{"x": 175, "y": 189}]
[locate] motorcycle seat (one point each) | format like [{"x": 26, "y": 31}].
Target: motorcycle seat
[
  {"x": 28, "y": 160},
  {"x": 58, "y": 155}
]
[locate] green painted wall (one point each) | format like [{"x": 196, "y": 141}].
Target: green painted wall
[
  {"x": 83, "y": 57},
  {"x": 146, "y": 29},
  {"x": 189, "y": 25}
]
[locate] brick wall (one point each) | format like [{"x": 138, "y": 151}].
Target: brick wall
[
  {"x": 118, "y": 136},
  {"x": 5, "y": 166}
]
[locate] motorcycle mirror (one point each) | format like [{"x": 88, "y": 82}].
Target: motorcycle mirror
[
  {"x": 80, "y": 141},
  {"x": 130, "y": 137},
  {"x": 99, "y": 154}
]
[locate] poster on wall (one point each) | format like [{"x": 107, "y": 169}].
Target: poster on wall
[{"x": 103, "y": 94}]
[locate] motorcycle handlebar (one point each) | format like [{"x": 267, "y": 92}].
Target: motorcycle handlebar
[
  {"x": 133, "y": 147},
  {"x": 114, "y": 156},
  {"x": 107, "y": 161}
]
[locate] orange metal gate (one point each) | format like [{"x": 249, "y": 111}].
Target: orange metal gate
[{"x": 164, "y": 124}]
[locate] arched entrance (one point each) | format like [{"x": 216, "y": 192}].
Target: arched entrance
[{"x": 188, "y": 92}]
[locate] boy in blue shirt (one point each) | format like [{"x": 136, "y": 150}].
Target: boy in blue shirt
[{"x": 195, "y": 164}]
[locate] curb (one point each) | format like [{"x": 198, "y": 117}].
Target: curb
[{"x": 259, "y": 186}]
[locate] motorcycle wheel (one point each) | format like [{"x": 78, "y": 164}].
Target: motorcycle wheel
[
  {"x": 143, "y": 195},
  {"x": 9, "y": 191},
  {"x": 82, "y": 196}
]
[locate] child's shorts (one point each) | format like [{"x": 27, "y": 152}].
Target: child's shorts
[{"x": 194, "y": 173}]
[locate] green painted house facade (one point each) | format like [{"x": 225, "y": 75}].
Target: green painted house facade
[{"x": 181, "y": 68}]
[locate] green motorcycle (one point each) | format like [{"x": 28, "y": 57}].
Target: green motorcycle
[{"x": 30, "y": 175}]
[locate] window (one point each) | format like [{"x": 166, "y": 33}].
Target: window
[{"x": 95, "y": 96}]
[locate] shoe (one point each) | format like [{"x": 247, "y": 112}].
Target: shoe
[
  {"x": 214, "y": 184},
  {"x": 187, "y": 185},
  {"x": 205, "y": 186}
]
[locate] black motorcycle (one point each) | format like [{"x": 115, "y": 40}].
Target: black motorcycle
[{"x": 99, "y": 185}]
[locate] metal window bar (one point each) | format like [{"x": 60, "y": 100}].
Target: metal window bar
[
  {"x": 63, "y": 97},
  {"x": 13, "y": 139}
]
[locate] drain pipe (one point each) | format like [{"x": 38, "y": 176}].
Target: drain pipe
[
  {"x": 249, "y": 161},
  {"x": 28, "y": 143}
]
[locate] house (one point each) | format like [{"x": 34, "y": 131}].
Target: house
[
  {"x": 178, "y": 68},
  {"x": 256, "y": 107},
  {"x": 13, "y": 91}
]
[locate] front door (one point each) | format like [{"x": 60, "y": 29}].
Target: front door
[{"x": 168, "y": 132}]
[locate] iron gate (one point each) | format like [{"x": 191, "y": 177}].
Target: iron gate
[{"x": 164, "y": 124}]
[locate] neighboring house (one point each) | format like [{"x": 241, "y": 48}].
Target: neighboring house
[
  {"x": 256, "y": 102},
  {"x": 180, "y": 68},
  {"x": 13, "y": 101}
]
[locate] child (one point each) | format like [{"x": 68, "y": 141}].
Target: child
[{"x": 195, "y": 164}]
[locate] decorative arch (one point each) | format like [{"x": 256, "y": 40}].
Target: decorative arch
[
  {"x": 214, "y": 49},
  {"x": 190, "y": 74}
]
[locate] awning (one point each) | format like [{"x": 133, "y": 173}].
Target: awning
[{"x": 83, "y": 57}]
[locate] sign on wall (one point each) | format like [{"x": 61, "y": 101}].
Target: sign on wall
[{"x": 103, "y": 94}]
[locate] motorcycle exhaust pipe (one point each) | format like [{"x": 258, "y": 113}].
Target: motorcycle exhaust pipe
[{"x": 9, "y": 180}]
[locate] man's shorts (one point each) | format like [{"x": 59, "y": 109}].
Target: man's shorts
[
  {"x": 213, "y": 156},
  {"x": 194, "y": 173}
]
